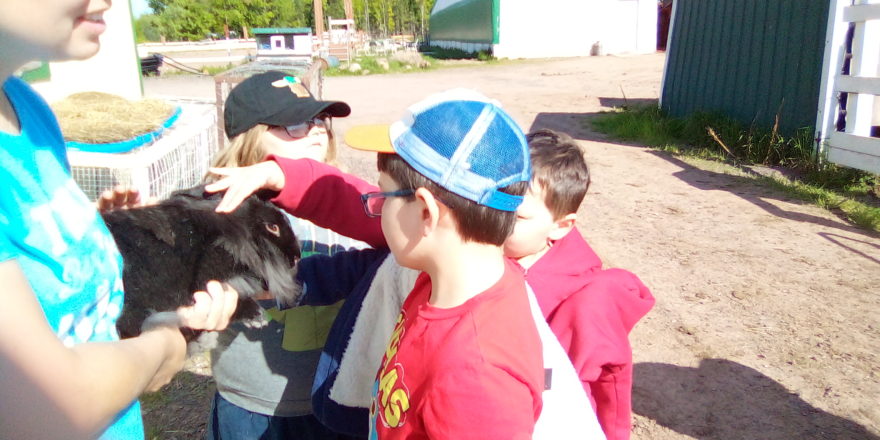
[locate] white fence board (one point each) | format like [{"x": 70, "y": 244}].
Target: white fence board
[
  {"x": 859, "y": 13},
  {"x": 865, "y": 162},
  {"x": 851, "y": 142},
  {"x": 857, "y": 84}
]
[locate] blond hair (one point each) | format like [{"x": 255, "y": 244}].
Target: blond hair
[{"x": 245, "y": 149}]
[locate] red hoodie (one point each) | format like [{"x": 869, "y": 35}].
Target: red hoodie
[{"x": 590, "y": 310}]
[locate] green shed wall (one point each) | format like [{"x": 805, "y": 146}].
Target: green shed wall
[
  {"x": 746, "y": 59},
  {"x": 471, "y": 21}
]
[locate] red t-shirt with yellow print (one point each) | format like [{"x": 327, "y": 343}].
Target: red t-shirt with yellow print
[{"x": 471, "y": 371}]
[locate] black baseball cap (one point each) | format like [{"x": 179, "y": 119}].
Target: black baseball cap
[{"x": 274, "y": 98}]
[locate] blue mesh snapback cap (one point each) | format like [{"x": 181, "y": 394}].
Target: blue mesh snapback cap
[{"x": 460, "y": 140}]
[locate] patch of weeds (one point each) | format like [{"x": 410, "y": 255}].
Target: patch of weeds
[
  {"x": 369, "y": 65},
  {"x": 852, "y": 193}
]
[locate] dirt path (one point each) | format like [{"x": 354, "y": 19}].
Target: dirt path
[{"x": 766, "y": 319}]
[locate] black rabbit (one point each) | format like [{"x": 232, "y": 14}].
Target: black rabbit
[{"x": 171, "y": 250}]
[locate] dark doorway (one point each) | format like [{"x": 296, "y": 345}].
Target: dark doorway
[{"x": 664, "y": 17}]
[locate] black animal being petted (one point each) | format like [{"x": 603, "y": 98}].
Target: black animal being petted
[{"x": 173, "y": 248}]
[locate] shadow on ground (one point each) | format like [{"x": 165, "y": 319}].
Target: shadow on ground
[
  {"x": 724, "y": 400},
  {"x": 179, "y": 411},
  {"x": 760, "y": 196}
]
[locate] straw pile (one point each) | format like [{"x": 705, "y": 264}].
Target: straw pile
[{"x": 98, "y": 118}]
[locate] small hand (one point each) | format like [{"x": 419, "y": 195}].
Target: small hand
[
  {"x": 212, "y": 309},
  {"x": 120, "y": 197},
  {"x": 240, "y": 183}
]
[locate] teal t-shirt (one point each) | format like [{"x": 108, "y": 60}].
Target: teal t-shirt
[{"x": 58, "y": 238}]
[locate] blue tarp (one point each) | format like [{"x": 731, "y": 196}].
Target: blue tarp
[{"x": 126, "y": 145}]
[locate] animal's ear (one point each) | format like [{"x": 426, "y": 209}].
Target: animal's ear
[
  {"x": 266, "y": 194},
  {"x": 159, "y": 224}
]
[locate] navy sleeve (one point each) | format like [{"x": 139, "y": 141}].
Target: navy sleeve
[{"x": 328, "y": 279}]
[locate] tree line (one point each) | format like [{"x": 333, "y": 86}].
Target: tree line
[{"x": 195, "y": 20}]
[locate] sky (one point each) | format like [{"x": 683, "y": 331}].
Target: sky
[{"x": 139, "y": 7}]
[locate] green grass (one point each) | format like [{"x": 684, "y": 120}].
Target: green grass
[
  {"x": 434, "y": 58},
  {"x": 370, "y": 66},
  {"x": 852, "y": 193}
]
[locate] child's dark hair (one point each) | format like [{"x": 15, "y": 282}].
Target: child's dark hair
[
  {"x": 477, "y": 223},
  {"x": 558, "y": 166}
]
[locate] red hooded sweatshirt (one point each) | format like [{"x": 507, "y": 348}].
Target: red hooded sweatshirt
[{"x": 590, "y": 310}]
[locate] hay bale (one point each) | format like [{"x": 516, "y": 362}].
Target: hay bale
[{"x": 99, "y": 118}]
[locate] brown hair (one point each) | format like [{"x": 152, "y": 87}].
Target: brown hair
[
  {"x": 477, "y": 223},
  {"x": 245, "y": 149},
  {"x": 558, "y": 166}
]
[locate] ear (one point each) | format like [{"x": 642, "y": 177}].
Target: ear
[
  {"x": 431, "y": 209},
  {"x": 562, "y": 227}
]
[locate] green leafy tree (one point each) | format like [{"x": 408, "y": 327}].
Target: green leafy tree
[
  {"x": 187, "y": 20},
  {"x": 147, "y": 28},
  {"x": 243, "y": 14}
]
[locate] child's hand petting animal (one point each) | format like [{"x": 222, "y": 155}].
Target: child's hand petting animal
[
  {"x": 237, "y": 184},
  {"x": 122, "y": 197}
]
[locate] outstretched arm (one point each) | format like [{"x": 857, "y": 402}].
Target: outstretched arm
[
  {"x": 307, "y": 189},
  {"x": 74, "y": 392}
]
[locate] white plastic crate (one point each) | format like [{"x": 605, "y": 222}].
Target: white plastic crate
[{"x": 176, "y": 160}]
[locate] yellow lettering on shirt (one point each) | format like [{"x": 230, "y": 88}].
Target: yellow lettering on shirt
[
  {"x": 394, "y": 342},
  {"x": 399, "y": 405},
  {"x": 386, "y": 386}
]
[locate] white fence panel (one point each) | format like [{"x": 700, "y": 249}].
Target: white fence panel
[{"x": 853, "y": 147}]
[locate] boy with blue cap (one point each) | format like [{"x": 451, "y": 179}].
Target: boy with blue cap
[{"x": 464, "y": 359}]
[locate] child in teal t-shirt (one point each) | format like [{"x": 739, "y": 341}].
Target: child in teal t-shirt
[{"x": 63, "y": 372}]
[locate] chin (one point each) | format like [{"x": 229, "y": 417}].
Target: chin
[{"x": 78, "y": 51}]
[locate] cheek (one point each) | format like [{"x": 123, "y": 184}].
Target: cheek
[
  {"x": 310, "y": 147},
  {"x": 526, "y": 239}
]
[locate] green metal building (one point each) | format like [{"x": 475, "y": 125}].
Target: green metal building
[
  {"x": 472, "y": 21},
  {"x": 554, "y": 28},
  {"x": 748, "y": 59}
]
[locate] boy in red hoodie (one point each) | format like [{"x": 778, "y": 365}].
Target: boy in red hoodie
[{"x": 590, "y": 310}]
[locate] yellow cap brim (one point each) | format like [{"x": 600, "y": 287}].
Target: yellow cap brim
[{"x": 369, "y": 138}]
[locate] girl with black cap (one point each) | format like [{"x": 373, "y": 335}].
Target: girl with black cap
[{"x": 264, "y": 375}]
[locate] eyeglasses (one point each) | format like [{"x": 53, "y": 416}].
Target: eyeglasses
[
  {"x": 302, "y": 129},
  {"x": 374, "y": 201}
]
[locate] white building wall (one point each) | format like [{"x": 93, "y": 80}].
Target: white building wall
[
  {"x": 565, "y": 28},
  {"x": 113, "y": 70}
]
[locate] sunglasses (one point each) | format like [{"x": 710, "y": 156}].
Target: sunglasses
[{"x": 302, "y": 129}]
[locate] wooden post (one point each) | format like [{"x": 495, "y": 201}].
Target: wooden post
[
  {"x": 349, "y": 10},
  {"x": 319, "y": 21}
]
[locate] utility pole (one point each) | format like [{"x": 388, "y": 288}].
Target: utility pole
[
  {"x": 367, "y": 15},
  {"x": 319, "y": 21},
  {"x": 349, "y": 10}
]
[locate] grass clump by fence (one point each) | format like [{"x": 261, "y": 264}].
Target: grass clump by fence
[
  {"x": 854, "y": 194},
  {"x": 396, "y": 63}
]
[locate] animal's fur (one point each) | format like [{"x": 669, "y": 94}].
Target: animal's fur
[{"x": 172, "y": 249}]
